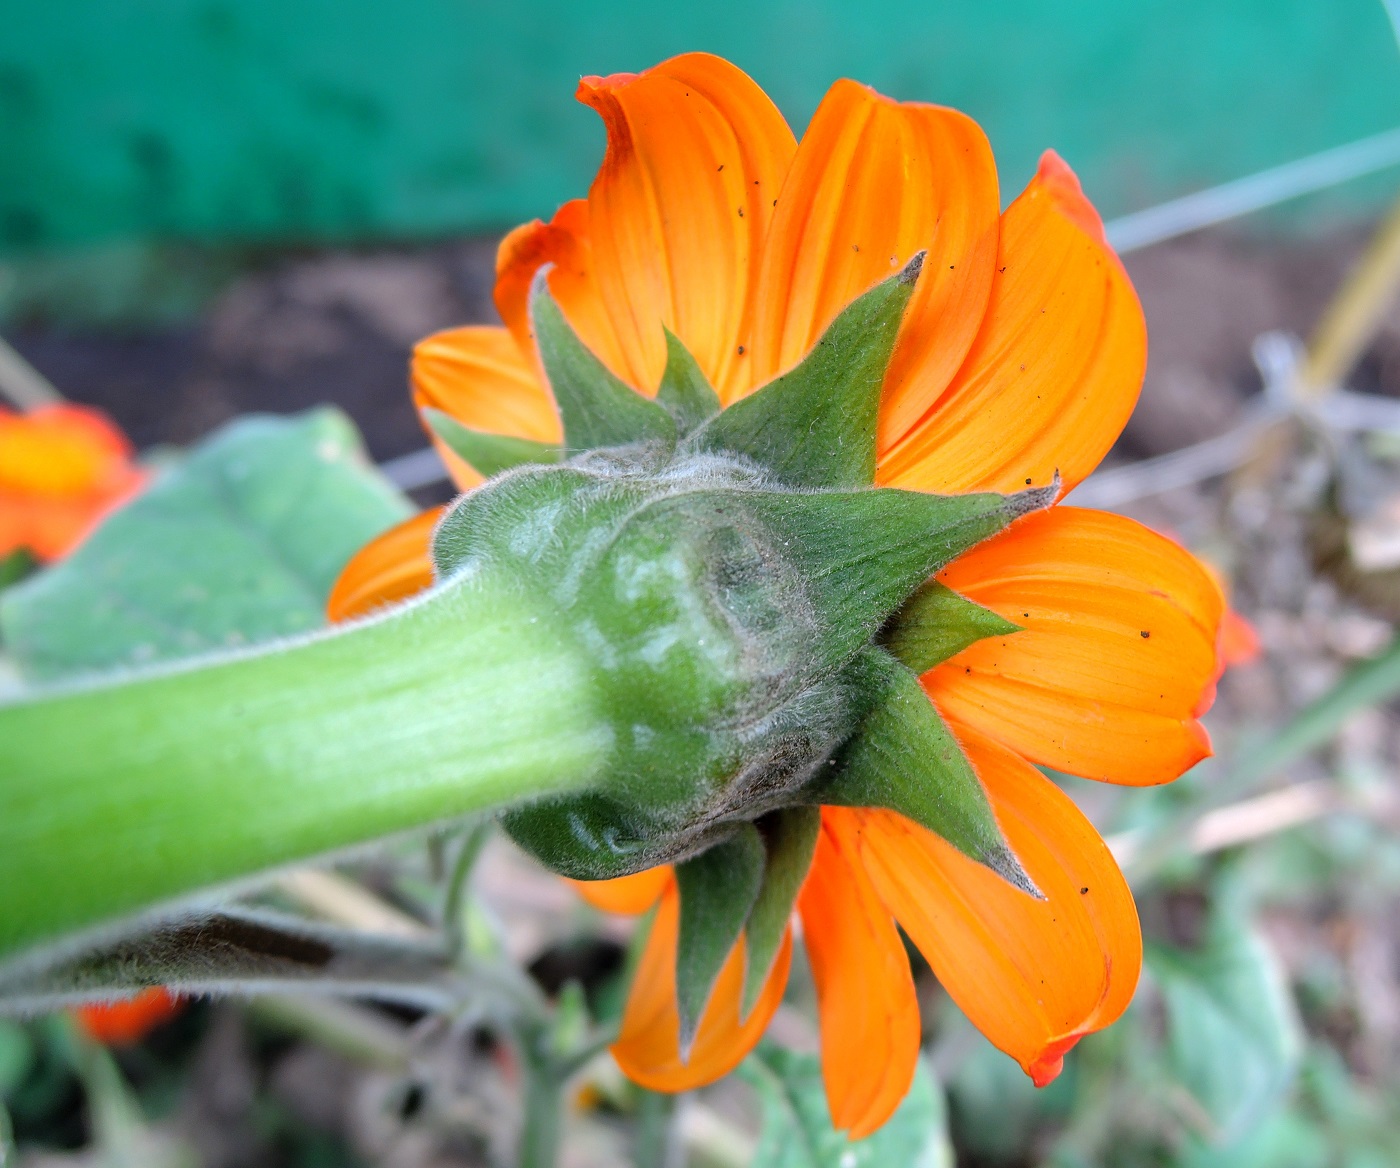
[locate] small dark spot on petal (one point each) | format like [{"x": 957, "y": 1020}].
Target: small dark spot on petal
[
  {"x": 1028, "y": 481},
  {"x": 721, "y": 167},
  {"x": 1084, "y": 891},
  {"x": 741, "y": 212},
  {"x": 1145, "y": 634},
  {"x": 741, "y": 350}
]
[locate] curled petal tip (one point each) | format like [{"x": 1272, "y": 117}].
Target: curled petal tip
[
  {"x": 1045, "y": 1068},
  {"x": 591, "y": 87},
  {"x": 1055, "y": 176}
]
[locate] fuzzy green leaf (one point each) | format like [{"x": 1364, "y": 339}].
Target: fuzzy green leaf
[
  {"x": 936, "y": 623},
  {"x": 904, "y": 758},
  {"x": 238, "y": 543},
  {"x": 815, "y": 425},
  {"x": 797, "y": 1130},
  {"x": 685, "y": 391},
  {"x": 231, "y": 951},
  {"x": 718, "y": 888},
  {"x": 488, "y": 454},
  {"x": 865, "y": 552},
  {"x": 596, "y": 407},
  {"x": 1234, "y": 1036},
  {"x": 790, "y": 837}
]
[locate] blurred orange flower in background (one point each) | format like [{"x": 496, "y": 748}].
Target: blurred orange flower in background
[
  {"x": 130, "y": 1020},
  {"x": 62, "y": 467},
  {"x": 1020, "y": 356}
]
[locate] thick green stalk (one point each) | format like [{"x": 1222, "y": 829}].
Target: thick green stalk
[{"x": 131, "y": 792}]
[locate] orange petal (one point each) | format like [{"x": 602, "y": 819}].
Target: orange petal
[
  {"x": 627, "y": 895},
  {"x": 1054, "y": 371},
  {"x": 677, "y": 215},
  {"x": 128, "y": 1021},
  {"x": 565, "y": 243},
  {"x": 478, "y": 375},
  {"x": 865, "y": 991},
  {"x": 875, "y": 181},
  {"x": 1033, "y": 975},
  {"x": 1239, "y": 642},
  {"x": 1116, "y": 650},
  {"x": 390, "y": 568},
  {"x": 648, "y": 1049}
]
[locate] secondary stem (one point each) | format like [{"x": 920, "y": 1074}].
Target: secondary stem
[
  {"x": 541, "y": 1123},
  {"x": 131, "y": 792}
]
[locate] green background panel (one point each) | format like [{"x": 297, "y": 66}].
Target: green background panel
[{"x": 320, "y": 120}]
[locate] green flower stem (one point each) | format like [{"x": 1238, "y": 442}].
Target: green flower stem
[
  {"x": 132, "y": 792},
  {"x": 652, "y": 1144},
  {"x": 542, "y": 1124}
]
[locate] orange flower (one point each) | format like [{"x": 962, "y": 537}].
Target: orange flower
[
  {"x": 61, "y": 468},
  {"x": 1021, "y": 354},
  {"x": 130, "y": 1020}
]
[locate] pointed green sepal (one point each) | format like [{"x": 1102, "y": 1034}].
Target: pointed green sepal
[
  {"x": 904, "y": 758},
  {"x": 815, "y": 425},
  {"x": 488, "y": 454},
  {"x": 864, "y": 553},
  {"x": 790, "y": 838},
  {"x": 597, "y": 407},
  {"x": 718, "y": 888},
  {"x": 936, "y": 623},
  {"x": 685, "y": 390}
]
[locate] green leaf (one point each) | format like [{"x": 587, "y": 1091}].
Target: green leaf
[
  {"x": 488, "y": 454},
  {"x": 239, "y": 543},
  {"x": 16, "y": 1057},
  {"x": 790, "y": 837},
  {"x": 936, "y": 623},
  {"x": 904, "y": 758},
  {"x": 596, "y": 407},
  {"x": 1233, "y": 1032},
  {"x": 718, "y": 888},
  {"x": 815, "y": 425},
  {"x": 797, "y": 1131},
  {"x": 16, "y": 566},
  {"x": 865, "y": 552},
  {"x": 685, "y": 391},
  {"x": 995, "y": 1111},
  {"x": 232, "y": 951},
  {"x": 1283, "y": 1139}
]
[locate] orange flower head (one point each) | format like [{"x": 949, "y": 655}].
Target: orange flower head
[
  {"x": 126, "y": 1022},
  {"x": 1018, "y": 360},
  {"x": 62, "y": 468}
]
